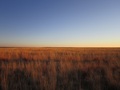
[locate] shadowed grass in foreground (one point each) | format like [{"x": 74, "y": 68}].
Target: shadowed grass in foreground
[{"x": 19, "y": 80}]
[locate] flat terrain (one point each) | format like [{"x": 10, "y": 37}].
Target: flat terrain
[{"x": 59, "y": 68}]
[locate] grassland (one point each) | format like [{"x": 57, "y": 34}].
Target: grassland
[{"x": 59, "y": 68}]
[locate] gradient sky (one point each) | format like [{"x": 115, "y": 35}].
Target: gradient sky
[{"x": 62, "y": 23}]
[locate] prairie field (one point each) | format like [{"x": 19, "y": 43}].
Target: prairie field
[{"x": 59, "y": 68}]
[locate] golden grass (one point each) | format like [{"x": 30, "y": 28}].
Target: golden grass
[{"x": 60, "y": 68}]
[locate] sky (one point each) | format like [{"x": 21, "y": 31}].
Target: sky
[{"x": 59, "y": 23}]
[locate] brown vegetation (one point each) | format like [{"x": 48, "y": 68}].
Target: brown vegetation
[{"x": 59, "y": 68}]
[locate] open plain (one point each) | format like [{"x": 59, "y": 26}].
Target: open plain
[{"x": 59, "y": 68}]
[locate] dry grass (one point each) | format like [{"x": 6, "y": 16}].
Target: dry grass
[{"x": 59, "y": 68}]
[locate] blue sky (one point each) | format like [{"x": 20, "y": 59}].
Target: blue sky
[{"x": 60, "y": 23}]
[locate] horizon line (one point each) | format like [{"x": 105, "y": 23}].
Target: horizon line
[{"x": 60, "y": 47}]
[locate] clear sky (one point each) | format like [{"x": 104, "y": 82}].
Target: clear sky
[{"x": 60, "y": 23}]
